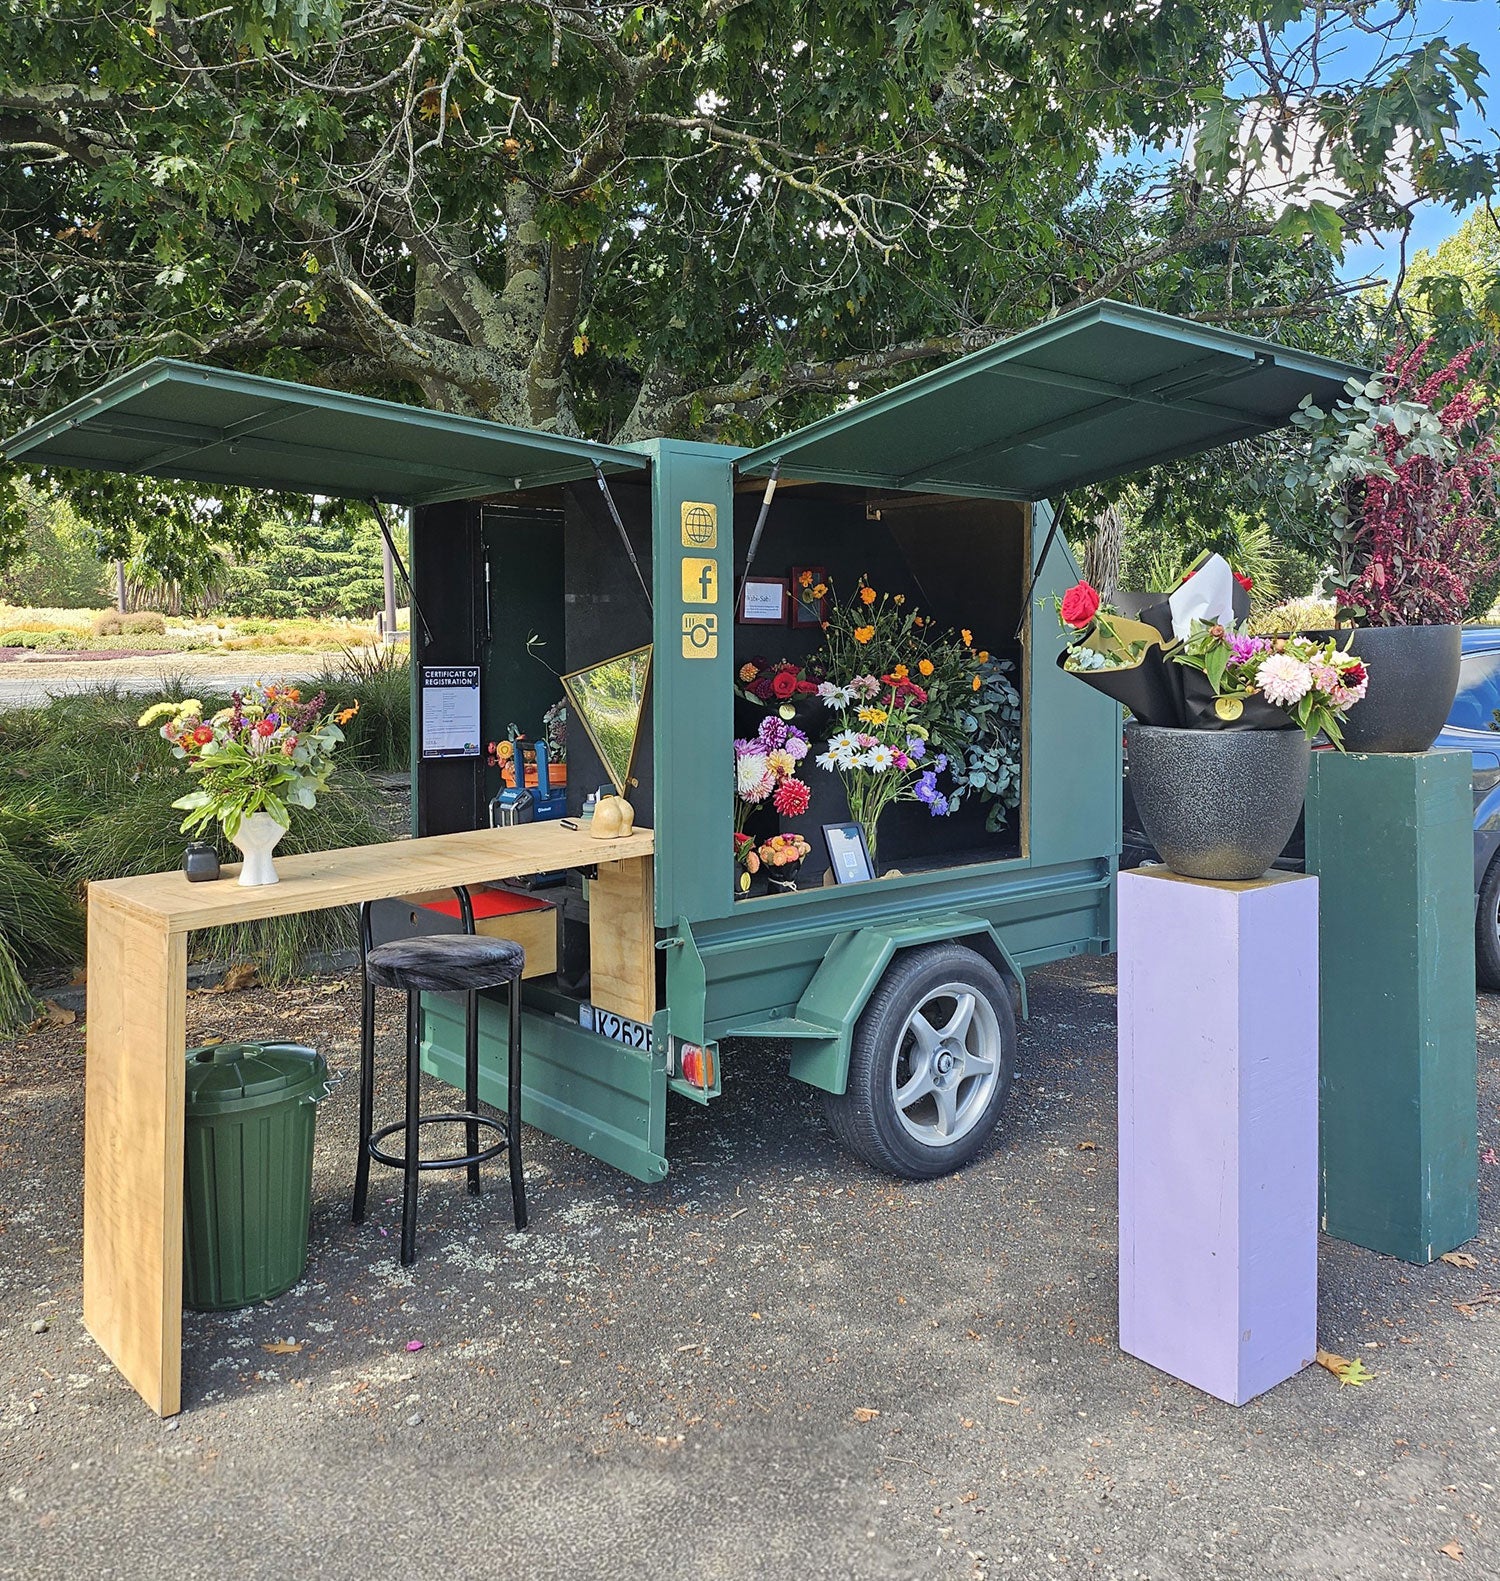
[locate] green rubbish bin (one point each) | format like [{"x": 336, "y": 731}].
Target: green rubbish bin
[{"x": 247, "y": 1175}]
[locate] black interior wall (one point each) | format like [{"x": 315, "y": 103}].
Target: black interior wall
[
  {"x": 523, "y": 547},
  {"x": 606, "y": 613},
  {"x": 450, "y": 595},
  {"x": 962, "y": 562}
]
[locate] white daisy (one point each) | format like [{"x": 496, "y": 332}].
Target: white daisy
[{"x": 879, "y": 758}]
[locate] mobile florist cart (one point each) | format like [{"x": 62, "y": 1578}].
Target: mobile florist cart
[{"x": 535, "y": 557}]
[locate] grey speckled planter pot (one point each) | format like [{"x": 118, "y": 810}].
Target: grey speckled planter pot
[
  {"x": 1218, "y": 804},
  {"x": 1413, "y": 676}
]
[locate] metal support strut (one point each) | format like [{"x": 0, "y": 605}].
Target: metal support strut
[
  {"x": 411, "y": 592},
  {"x": 760, "y": 527},
  {"x": 609, "y": 503}
]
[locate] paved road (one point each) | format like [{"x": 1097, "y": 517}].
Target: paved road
[
  {"x": 774, "y": 1364},
  {"x": 28, "y": 685}
]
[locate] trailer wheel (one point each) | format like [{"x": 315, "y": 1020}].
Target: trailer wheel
[{"x": 931, "y": 1064}]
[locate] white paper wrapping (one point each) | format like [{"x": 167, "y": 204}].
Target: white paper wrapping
[{"x": 1207, "y": 595}]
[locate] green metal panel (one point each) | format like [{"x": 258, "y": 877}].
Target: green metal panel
[
  {"x": 1390, "y": 838},
  {"x": 1104, "y": 390},
  {"x": 693, "y": 712},
  {"x": 847, "y": 976},
  {"x": 607, "y": 1100},
  {"x": 181, "y": 420},
  {"x": 1073, "y": 734},
  {"x": 760, "y": 961}
]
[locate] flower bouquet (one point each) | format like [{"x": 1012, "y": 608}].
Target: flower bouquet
[
  {"x": 257, "y": 759},
  {"x": 780, "y": 686},
  {"x": 1233, "y": 681},
  {"x": 1123, "y": 658},
  {"x": 781, "y": 858},
  {"x": 765, "y": 770}
]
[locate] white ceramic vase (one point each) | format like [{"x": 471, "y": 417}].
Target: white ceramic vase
[{"x": 255, "y": 840}]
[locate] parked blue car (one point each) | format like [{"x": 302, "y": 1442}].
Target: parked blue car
[{"x": 1472, "y": 728}]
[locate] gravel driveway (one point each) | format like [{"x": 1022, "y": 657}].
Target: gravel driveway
[{"x": 773, "y": 1364}]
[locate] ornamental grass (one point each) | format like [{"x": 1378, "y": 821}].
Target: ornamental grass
[{"x": 86, "y": 795}]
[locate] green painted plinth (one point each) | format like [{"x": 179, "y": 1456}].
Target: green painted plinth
[{"x": 1391, "y": 840}]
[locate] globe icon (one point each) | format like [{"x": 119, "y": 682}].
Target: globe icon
[{"x": 698, "y": 525}]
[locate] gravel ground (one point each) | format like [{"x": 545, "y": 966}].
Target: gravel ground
[
  {"x": 772, "y": 1364},
  {"x": 28, "y": 681}
]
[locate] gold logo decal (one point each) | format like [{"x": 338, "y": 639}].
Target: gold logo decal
[
  {"x": 700, "y": 636},
  {"x": 700, "y": 525},
  {"x": 700, "y": 581},
  {"x": 1228, "y": 707}
]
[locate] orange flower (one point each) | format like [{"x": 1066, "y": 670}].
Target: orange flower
[
  {"x": 916, "y": 620},
  {"x": 924, "y": 667},
  {"x": 976, "y": 683},
  {"x": 347, "y": 714},
  {"x": 821, "y": 590},
  {"x": 295, "y": 695},
  {"x": 806, "y": 579},
  {"x": 748, "y": 672},
  {"x": 901, "y": 672},
  {"x": 968, "y": 637},
  {"x": 867, "y": 595},
  {"x": 863, "y": 633},
  {"x": 899, "y": 599}
]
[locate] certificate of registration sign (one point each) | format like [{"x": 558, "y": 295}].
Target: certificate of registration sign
[{"x": 450, "y": 711}]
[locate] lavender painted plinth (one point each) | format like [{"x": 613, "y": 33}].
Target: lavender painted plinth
[{"x": 1218, "y": 1007}]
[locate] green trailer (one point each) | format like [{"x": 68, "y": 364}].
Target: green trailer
[{"x": 535, "y": 555}]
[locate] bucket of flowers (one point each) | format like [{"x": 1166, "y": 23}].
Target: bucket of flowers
[
  {"x": 1218, "y": 747},
  {"x": 254, "y": 761}
]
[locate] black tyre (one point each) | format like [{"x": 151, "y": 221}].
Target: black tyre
[
  {"x": 931, "y": 1064},
  {"x": 1487, "y": 930}
]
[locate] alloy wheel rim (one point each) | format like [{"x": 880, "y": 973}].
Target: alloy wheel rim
[{"x": 948, "y": 1058}]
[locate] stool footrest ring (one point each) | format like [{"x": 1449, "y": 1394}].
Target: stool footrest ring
[{"x": 398, "y": 1161}]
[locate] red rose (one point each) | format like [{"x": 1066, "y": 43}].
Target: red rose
[
  {"x": 784, "y": 684},
  {"x": 1079, "y": 606},
  {"x": 1244, "y": 581},
  {"x": 805, "y": 688}
]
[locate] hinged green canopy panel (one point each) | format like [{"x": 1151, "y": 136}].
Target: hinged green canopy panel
[
  {"x": 171, "y": 419},
  {"x": 1092, "y": 394}
]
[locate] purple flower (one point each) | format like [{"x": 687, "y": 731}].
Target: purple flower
[
  {"x": 1243, "y": 649},
  {"x": 916, "y": 746}
]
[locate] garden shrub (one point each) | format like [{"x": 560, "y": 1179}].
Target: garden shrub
[{"x": 144, "y": 621}]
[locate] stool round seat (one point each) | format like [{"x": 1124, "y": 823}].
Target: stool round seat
[{"x": 445, "y": 963}]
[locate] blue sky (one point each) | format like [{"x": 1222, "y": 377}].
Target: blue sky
[{"x": 1472, "y": 22}]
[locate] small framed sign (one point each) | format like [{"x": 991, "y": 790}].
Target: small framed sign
[
  {"x": 450, "y": 710},
  {"x": 848, "y": 854},
  {"x": 764, "y": 601},
  {"x": 809, "y": 595}
]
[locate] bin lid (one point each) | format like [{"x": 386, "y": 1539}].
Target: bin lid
[
  {"x": 1095, "y": 393},
  {"x": 224, "y": 1076},
  {"x": 172, "y": 419}
]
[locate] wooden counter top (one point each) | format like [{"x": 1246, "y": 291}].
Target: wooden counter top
[{"x": 321, "y": 879}]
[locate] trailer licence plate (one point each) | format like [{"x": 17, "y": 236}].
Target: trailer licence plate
[{"x": 618, "y": 1029}]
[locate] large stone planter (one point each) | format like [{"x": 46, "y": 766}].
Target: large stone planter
[
  {"x": 1413, "y": 676},
  {"x": 1218, "y": 804}
]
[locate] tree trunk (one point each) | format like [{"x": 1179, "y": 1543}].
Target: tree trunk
[{"x": 1101, "y": 555}]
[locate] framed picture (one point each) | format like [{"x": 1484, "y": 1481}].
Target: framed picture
[
  {"x": 764, "y": 601},
  {"x": 809, "y": 608},
  {"x": 848, "y": 854}
]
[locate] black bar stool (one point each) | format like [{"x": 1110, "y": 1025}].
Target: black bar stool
[{"x": 438, "y": 963}]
